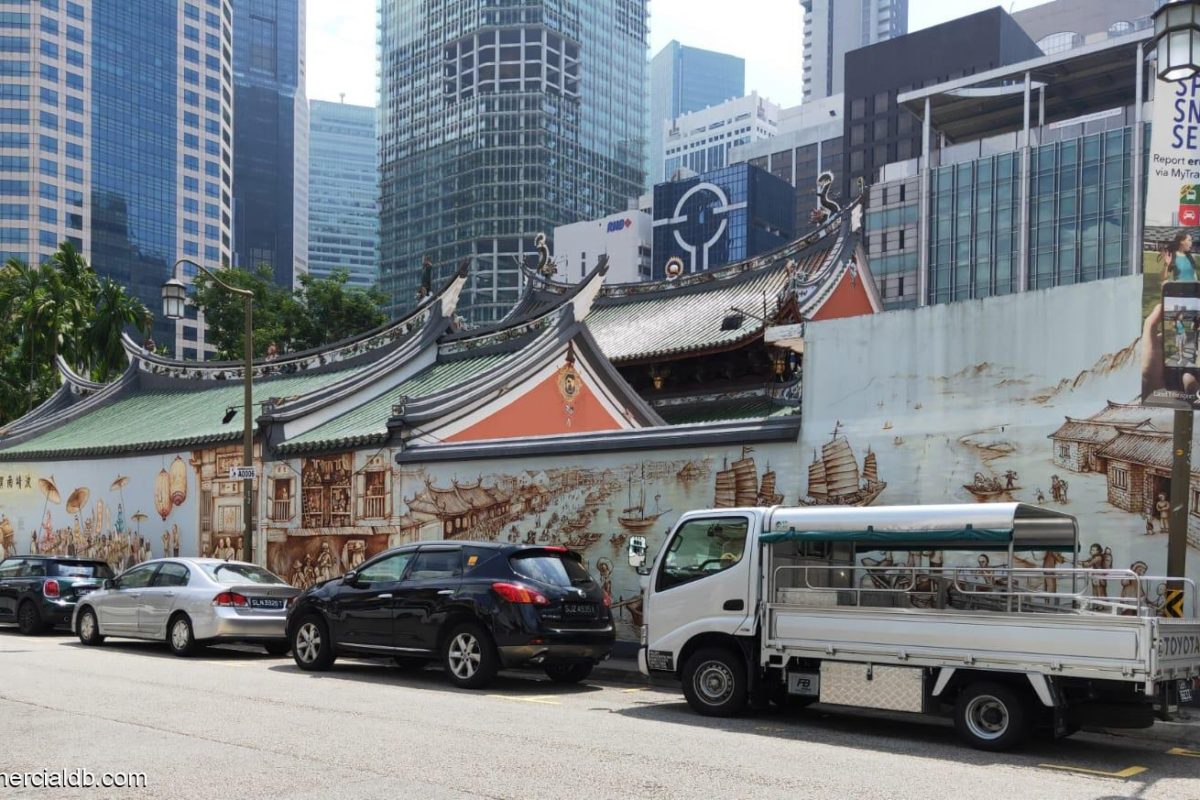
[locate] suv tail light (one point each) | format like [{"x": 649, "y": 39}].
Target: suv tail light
[
  {"x": 230, "y": 600},
  {"x": 50, "y": 588},
  {"x": 517, "y": 593}
]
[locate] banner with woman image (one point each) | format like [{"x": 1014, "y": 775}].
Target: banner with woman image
[{"x": 1171, "y": 288}]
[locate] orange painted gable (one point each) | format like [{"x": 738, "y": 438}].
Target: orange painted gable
[
  {"x": 849, "y": 299},
  {"x": 542, "y": 412}
]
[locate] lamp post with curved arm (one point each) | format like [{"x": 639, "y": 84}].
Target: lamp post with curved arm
[{"x": 174, "y": 298}]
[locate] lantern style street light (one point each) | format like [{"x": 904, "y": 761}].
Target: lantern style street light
[
  {"x": 1177, "y": 40},
  {"x": 174, "y": 297}
]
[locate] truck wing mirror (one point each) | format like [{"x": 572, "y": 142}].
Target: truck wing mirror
[{"x": 637, "y": 551}]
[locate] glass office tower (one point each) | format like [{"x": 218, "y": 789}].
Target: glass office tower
[
  {"x": 501, "y": 120},
  {"x": 117, "y": 137},
  {"x": 343, "y": 190},
  {"x": 270, "y": 176},
  {"x": 685, "y": 79}
]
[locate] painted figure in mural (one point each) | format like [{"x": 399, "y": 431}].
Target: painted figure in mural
[
  {"x": 175, "y": 540},
  {"x": 1163, "y": 507},
  {"x": 166, "y": 541},
  {"x": 1106, "y": 562},
  {"x": 605, "y": 568},
  {"x": 1052, "y": 560},
  {"x": 1010, "y": 479},
  {"x": 297, "y": 576},
  {"x": 1040, "y": 496},
  {"x": 1177, "y": 260},
  {"x": 324, "y": 563},
  {"x": 1149, "y": 525},
  {"x": 1131, "y": 587},
  {"x": 1095, "y": 560},
  {"x": 119, "y": 525}
]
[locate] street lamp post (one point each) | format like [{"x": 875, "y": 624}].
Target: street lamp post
[
  {"x": 1176, "y": 44},
  {"x": 174, "y": 297}
]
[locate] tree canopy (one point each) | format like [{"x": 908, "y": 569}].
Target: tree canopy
[
  {"x": 318, "y": 312},
  {"x": 60, "y": 307}
]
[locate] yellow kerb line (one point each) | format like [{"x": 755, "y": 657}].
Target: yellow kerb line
[
  {"x": 1128, "y": 772},
  {"x": 1183, "y": 751}
]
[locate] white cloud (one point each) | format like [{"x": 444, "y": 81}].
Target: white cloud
[{"x": 341, "y": 51}]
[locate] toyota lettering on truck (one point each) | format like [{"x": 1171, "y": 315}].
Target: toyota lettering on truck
[{"x": 922, "y": 609}]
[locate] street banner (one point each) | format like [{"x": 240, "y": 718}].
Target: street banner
[{"x": 1171, "y": 250}]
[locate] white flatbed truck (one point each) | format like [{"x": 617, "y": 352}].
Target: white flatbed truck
[{"x": 854, "y": 607}]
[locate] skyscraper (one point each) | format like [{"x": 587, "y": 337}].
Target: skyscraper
[
  {"x": 343, "y": 191},
  {"x": 270, "y": 171},
  {"x": 501, "y": 121},
  {"x": 832, "y": 28},
  {"x": 117, "y": 137},
  {"x": 685, "y": 79}
]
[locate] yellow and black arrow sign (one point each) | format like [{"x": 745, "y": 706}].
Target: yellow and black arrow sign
[{"x": 1173, "y": 603}]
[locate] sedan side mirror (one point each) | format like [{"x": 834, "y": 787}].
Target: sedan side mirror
[
  {"x": 109, "y": 583},
  {"x": 637, "y": 551},
  {"x": 350, "y": 577}
]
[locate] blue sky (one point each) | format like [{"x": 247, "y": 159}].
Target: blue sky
[{"x": 767, "y": 33}]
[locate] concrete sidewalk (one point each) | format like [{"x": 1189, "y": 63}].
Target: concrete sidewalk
[{"x": 1183, "y": 731}]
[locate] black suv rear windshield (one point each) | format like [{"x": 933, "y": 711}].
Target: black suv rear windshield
[
  {"x": 550, "y": 568},
  {"x": 80, "y": 569}
]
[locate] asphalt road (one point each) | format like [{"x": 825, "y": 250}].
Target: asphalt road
[{"x": 233, "y": 723}]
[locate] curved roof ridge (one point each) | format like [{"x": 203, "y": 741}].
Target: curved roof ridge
[
  {"x": 510, "y": 327},
  {"x": 36, "y": 422},
  {"x": 352, "y": 346},
  {"x": 74, "y": 380}
]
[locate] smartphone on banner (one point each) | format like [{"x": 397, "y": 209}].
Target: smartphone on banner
[{"x": 1180, "y": 332}]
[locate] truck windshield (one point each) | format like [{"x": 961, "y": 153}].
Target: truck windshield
[{"x": 703, "y": 547}]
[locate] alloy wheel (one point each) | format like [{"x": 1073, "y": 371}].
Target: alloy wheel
[
  {"x": 87, "y": 625},
  {"x": 308, "y": 642},
  {"x": 181, "y": 634},
  {"x": 464, "y": 655}
]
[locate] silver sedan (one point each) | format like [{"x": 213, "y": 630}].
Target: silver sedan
[{"x": 188, "y": 603}]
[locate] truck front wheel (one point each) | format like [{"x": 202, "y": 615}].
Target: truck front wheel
[
  {"x": 991, "y": 716},
  {"x": 714, "y": 682}
]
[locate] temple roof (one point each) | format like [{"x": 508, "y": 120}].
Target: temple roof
[{"x": 697, "y": 313}]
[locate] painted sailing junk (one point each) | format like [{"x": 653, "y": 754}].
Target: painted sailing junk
[
  {"x": 634, "y": 517},
  {"x": 834, "y": 479}
]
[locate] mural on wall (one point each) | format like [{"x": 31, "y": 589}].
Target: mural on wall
[
  {"x": 591, "y": 504},
  {"x": 975, "y": 416},
  {"x": 120, "y": 510}
]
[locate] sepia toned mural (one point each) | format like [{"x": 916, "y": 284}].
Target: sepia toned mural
[
  {"x": 121, "y": 510},
  {"x": 1030, "y": 398}
]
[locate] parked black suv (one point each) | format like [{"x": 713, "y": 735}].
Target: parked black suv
[
  {"x": 39, "y": 592},
  {"x": 476, "y": 607}
]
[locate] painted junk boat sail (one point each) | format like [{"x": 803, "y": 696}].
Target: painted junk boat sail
[
  {"x": 634, "y": 517},
  {"x": 737, "y": 484},
  {"x": 834, "y": 478}
]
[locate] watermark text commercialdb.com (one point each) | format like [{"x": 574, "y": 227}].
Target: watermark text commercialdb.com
[{"x": 72, "y": 779}]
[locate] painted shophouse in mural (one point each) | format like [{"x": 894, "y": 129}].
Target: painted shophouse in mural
[
  {"x": 1030, "y": 397},
  {"x": 589, "y": 414}
]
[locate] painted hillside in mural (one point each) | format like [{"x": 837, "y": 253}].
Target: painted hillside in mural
[{"x": 1029, "y": 398}]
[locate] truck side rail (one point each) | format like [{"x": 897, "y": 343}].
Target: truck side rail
[{"x": 983, "y": 588}]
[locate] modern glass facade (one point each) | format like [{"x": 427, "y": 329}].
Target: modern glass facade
[
  {"x": 501, "y": 121},
  {"x": 343, "y": 190},
  {"x": 683, "y": 80},
  {"x": 1079, "y": 220},
  {"x": 270, "y": 175},
  {"x": 116, "y": 135},
  {"x": 720, "y": 217}
]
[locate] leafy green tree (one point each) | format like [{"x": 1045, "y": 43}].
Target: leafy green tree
[
  {"x": 57, "y": 308},
  {"x": 114, "y": 312},
  {"x": 320, "y": 311}
]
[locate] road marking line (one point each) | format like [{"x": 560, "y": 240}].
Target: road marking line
[
  {"x": 1181, "y": 751},
  {"x": 1128, "y": 772},
  {"x": 541, "y": 698},
  {"x": 630, "y": 691}
]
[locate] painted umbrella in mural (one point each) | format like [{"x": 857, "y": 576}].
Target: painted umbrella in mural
[
  {"x": 51, "y": 491},
  {"x": 139, "y": 517},
  {"x": 119, "y": 486}
]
